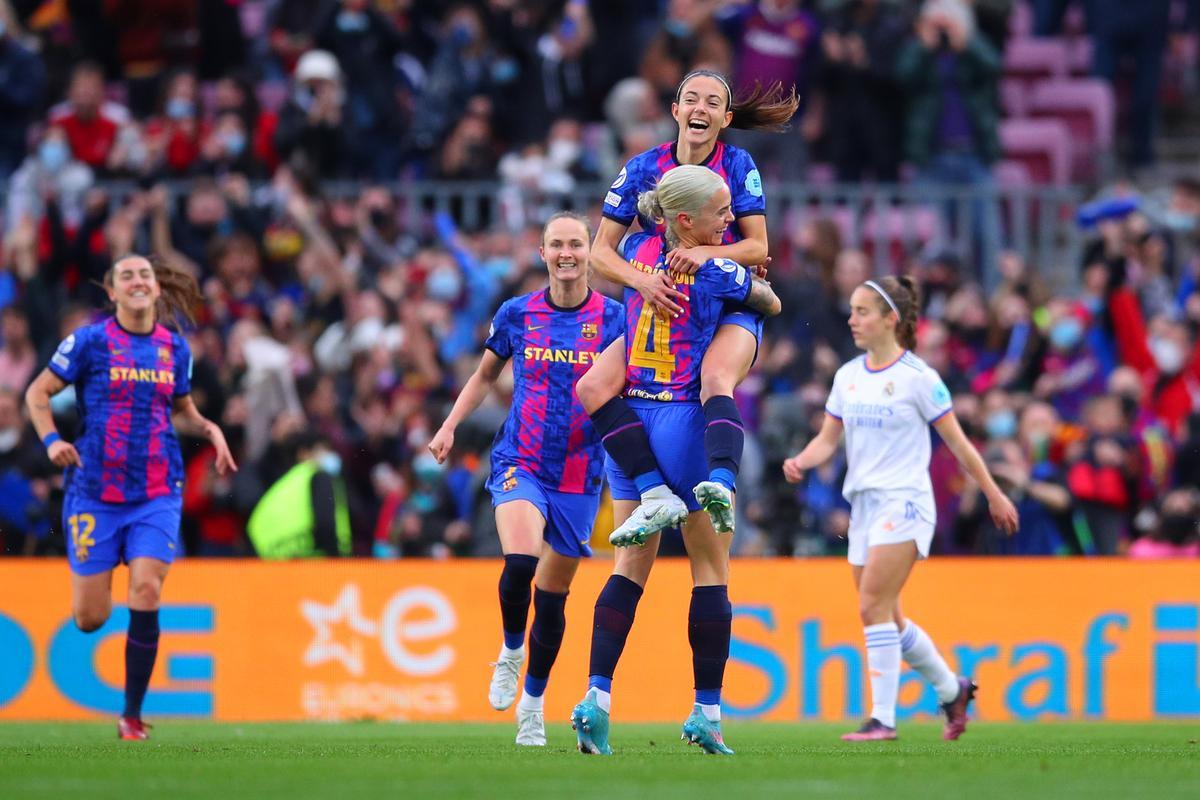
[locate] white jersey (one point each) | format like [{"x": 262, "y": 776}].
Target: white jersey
[{"x": 887, "y": 413}]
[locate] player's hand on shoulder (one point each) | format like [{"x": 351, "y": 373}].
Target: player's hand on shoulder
[
  {"x": 441, "y": 445},
  {"x": 792, "y": 471},
  {"x": 686, "y": 260},
  {"x": 63, "y": 454},
  {"x": 657, "y": 290},
  {"x": 760, "y": 270}
]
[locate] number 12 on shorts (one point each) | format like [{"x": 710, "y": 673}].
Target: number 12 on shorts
[
  {"x": 82, "y": 527},
  {"x": 660, "y": 359}
]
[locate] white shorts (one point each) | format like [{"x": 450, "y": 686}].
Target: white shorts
[{"x": 878, "y": 516}]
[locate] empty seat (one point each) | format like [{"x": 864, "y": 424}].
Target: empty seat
[
  {"x": 1030, "y": 60},
  {"x": 1042, "y": 145}
]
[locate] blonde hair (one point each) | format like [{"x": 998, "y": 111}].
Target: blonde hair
[{"x": 683, "y": 190}]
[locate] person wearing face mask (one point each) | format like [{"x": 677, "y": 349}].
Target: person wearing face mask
[
  {"x": 49, "y": 172},
  {"x": 304, "y": 514},
  {"x": 1071, "y": 372},
  {"x": 1177, "y": 534},
  {"x": 1165, "y": 356},
  {"x": 173, "y": 136}
]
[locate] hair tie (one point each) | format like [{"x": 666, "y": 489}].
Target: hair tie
[{"x": 883, "y": 294}]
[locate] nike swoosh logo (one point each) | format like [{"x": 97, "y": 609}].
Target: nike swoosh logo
[{"x": 536, "y": 327}]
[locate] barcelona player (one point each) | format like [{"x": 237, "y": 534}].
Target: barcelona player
[
  {"x": 663, "y": 387},
  {"x": 547, "y": 460},
  {"x": 703, "y": 107},
  {"x": 124, "y": 472},
  {"x": 885, "y": 400}
]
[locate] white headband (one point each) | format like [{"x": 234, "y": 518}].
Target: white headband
[{"x": 883, "y": 294}]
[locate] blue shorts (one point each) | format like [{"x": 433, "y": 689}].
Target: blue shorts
[
  {"x": 569, "y": 517},
  {"x": 676, "y": 432},
  {"x": 102, "y": 535},
  {"x": 749, "y": 320}
]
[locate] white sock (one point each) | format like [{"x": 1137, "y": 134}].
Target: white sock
[
  {"x": 530, "y": 703},
  {"x": 922, "y": 654},
  {"x": 883, "y": 664},
  {"x": 712, "y": 713},
  {"x": 519, "y": 653},
  {"x": 603, "y": 699}
]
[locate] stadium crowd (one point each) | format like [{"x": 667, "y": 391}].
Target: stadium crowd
[{"x": 340, "y": 320}]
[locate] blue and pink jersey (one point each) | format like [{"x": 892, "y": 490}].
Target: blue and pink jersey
[
  {"x": 642, "y": 172},
  {"x": 664, "y": 355},
  {"x": 547, "y": 433},
  {"x": 125, "y": 388}
]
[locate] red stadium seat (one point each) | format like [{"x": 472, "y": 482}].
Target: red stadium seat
[
  {"x": 1089, "y": 109},
  {"x": 1030, "y": 60}
]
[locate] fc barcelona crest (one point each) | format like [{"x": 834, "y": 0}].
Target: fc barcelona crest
[
  {"x": 164, "y": 354},
  {"x": 589, "y": 331}
]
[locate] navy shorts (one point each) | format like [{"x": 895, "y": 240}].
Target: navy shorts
[
  {"x": 569, "y": 517},
  {"x": 102, "y": 535},
  {"x": 749, "y": 320},
  {"x": 676, "y": 432}
]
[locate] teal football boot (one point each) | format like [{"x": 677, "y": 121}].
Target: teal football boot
[
  {"x": 590, "y": 723},
  {"x": 699, "y": 731}
]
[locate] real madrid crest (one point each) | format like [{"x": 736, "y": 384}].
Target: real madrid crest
[{"x": 889, "y": 388}]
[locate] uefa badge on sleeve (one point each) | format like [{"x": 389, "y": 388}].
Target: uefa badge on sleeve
[{"x": 589, "y": 331}]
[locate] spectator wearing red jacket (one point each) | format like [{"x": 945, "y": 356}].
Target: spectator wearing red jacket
[
  {"x": 91, "y": 122},
  {"x": 1103, "y": 475}
]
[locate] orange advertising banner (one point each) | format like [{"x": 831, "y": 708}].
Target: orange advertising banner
[{"x": 243, "y": 640}]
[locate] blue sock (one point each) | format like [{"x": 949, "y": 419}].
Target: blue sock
[
  {"x": 141, "y": 649},
  {"x": 545, "y": 638},
  {"x": 627, "y": 444},
  {"x": 615, "y": 608},
  {"x": 710, "y": 620},
  {"x": 724, "y": 437},
  {"x": 514, "y": 597}
]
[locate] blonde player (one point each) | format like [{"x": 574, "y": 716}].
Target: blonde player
[{"x": 886, "y": 400}]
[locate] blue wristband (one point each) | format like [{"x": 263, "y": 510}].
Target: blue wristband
[{"x": 50, "y": 438}]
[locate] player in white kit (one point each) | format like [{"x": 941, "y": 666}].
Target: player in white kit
[{"x": 885, "y": 400}]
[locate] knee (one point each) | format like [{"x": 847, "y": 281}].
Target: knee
[
  {"x": 590, "y": 391},
  {"x": 717, "y": 380},
  {"x": 874, "y": 610},
  {"x": 144, "y": 594},
  {"x": 89, "y": 620}
]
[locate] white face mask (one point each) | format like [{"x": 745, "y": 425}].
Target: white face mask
[
  {"x": 9, "y": 437},
  {"x": 1167, "y": 355},
  {"x": 563, "y": 152}
]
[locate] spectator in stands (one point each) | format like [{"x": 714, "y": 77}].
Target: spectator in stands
[
  {"x": 235, "y": 94},
  {"x": 227, "y": 149},
  {"x": 1137, "y": 31},
  {"x": 1177, "y": 532},
  {"x": 50, "y": 173},
  {"x": 150, "y": 36},
  {"x": 689, "y": 38},
  {"x": 91, "y": 123},
  {"x": 775, "y": 41},
  {"x": 365, "y": 44},
  {"x": 862, "y": 101},
  {"x": 1102, "y": 475},
  {"x": 18, "y": 357},
  {"x": 312, "y": 131},
  {"x": 632, "y": 110},
  {"x": 305, "y": 512},
  {"x": 24, "y": 487},
  {"x": 173, "y": 137},
  {"x": 22, "y": 82},
  {"x": 290, "y": 33},
  {"x": 1071, "y": 372}
]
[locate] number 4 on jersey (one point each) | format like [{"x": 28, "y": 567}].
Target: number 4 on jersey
[{"x": 660, "y": 359}]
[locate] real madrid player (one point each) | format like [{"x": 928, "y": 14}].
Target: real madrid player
[
  {"x": 547, "y": 461},
  {"x": 885, "y": 401},
  {"x": 703, "y": 107},
  {"x": 693, "y": 203},
  {"x": 124, "y": 472}
]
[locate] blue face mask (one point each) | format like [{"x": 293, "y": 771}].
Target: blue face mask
[
  {"x": 330, "y": 462},
  {"x": 352, "y": 21},
  {"x": 500, "y": 266},
  {"x": 1179, "y": 221},
  {"x": 180, "y": 108},
  {"x": 234, "y": 142},
  {"x": 53, "y": 154},
  {"x": 444, "y": 285},
  {"x": 1066, "y": 333},
  {"x": 1001, "y": 425},
  {"x": 427, "y": 469}
]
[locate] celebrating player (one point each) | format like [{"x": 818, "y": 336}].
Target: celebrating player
[
  {"x": 664, "y": 386},
  {"x": 547, "y": 462},
  {"x": 886, "y": 400},
  {"x": 124, "y": 480},
  {"x": 703, "y": 107}
]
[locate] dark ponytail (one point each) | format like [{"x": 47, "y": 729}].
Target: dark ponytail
[
  {"x": 180, "y": 293},
  {"x": 764, "y": 109},
  {"x": 907, "y": 296}
]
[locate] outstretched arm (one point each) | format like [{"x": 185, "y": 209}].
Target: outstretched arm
[
  {"x": 188, "y": 420},
  {"x": 762, "y": 298},
  {"x": 817, "y": 452},
  {"x": 477, "y": 388},
  {"x": 657, "y": 289},
  {"x": 1004, "y": 513}
]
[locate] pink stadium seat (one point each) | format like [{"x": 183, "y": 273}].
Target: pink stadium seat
[
  {"x": 1020, "y": 22},
  {"x": 1079, "y": 56},
  {"x": 1012, "y": 175},
  {"x": 1087, "y": 105},
  {"x": 1030, "y": 60},
  {"x": 1042, "y": 145},
  {"x": 208, "y": 97},
  {"x": 1013, "y": 97}
]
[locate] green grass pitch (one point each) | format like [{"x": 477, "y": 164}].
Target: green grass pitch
[{"x": 84, "y": 761}]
